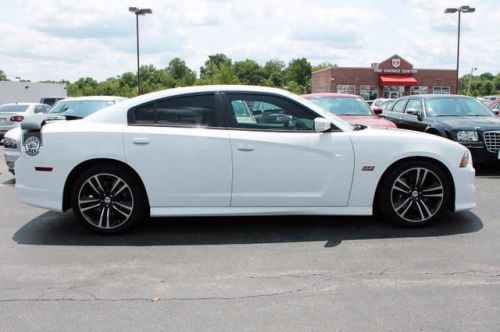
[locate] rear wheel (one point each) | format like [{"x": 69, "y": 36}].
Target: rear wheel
[
  {"x": 414, "y": 193},
  {"x": 108, "y": 199}
]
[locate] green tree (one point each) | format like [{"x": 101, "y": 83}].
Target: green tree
[
  {"x": 299, "y": 71},
  {"x": 249, "y": 72},
  {"x": 323, "y": 65},
  {"x": 181, "y": 73},
  {"x": 486, "y": 76},
  {"x": 3, "y": 77},
  {"x": 274, "y": 73},
  {"x": 225, "y": 75},
  {"x": 213, "y": 65}
]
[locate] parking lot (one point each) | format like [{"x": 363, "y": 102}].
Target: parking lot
[{"x": 272, "y": 273}]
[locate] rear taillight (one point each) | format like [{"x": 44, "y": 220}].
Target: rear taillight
[{"x": 17, "y": 118}]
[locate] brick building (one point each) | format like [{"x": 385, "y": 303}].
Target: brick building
[{"x": 391, "y": 78}]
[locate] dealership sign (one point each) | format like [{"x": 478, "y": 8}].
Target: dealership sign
[{"x": 395, "y": 71}]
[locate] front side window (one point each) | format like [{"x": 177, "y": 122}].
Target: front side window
[
  {"x": 349, "y": 89},
  {"x": 263, "y": 112},
  {"x": 415, "y": 104},
  {"x": 189, "y": 111}
]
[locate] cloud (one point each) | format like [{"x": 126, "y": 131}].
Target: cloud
[{"x": 70, "y": 39}]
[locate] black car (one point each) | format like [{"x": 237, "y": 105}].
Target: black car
[{"x": 459, "y": 118}]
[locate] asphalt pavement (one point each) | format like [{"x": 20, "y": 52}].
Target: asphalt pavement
[{"x": 250, "y": 274}]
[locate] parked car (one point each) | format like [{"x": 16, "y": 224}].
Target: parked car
[
  {"x": 377, "y": 103},
  {"x": 50, "y": 100},
  {"x": 491, "y": 98},
  {"x": 350, "y": 108},
  {"x": 12, "y": 114},
  {"x": 459, "y": 118},
  {"x": 387, "y": 104},
  {"x": 495, "y": 106},
  {"x": 184, "y": 152},
  {"x": 66, "y": 109}
]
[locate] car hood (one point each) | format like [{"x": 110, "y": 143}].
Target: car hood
[
  {"x": 369, "y": 120},
  {"x": 469, "y": 122}
]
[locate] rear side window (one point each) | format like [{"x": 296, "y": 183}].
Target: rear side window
[
  {"x": 189, "y": 111},
  {"x": 399, "y": 106}
]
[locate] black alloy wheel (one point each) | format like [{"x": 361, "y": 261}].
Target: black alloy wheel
[
  {"x": 414, "y": 193},
  {"x": 108, "y": 199}
]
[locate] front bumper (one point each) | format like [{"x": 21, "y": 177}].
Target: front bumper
[
  {"x": 465, "y": 188},
  {"x": 480, "y": 155},
  {"x": 10, "y": 156}
]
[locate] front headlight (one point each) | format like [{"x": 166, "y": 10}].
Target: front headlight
[
  {"x": 467, "y": 136},
  {"x": 9, "y": 143}
]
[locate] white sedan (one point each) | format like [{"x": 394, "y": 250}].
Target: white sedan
[{"x": 193, "y": 152}]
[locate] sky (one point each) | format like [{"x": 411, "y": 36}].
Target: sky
[{"x": 68, "y": 39}]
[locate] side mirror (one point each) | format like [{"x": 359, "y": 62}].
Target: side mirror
[
  {"x": 321, "y": 125},
  {"x": 413, "y": 111},
  {"x": 377, "y": 110}
]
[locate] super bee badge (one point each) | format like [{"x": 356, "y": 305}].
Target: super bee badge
[{"x": 32, "y": 145}]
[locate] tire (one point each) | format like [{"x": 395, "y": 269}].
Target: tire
[
  {"x": 414, "y": 193},
  {"x": 108, "y": 199}
]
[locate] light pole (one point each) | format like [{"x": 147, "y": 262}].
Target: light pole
[
  {"x": 460, "y": 10},
  {"x": 470, "y": 78},
  {"x": 137, "y": 12}
]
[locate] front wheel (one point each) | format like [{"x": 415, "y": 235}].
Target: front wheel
[
  {"x": 414, "y": 193},
  {"x": 108, "y": 199}
]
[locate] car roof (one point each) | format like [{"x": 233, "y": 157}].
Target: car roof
[
  {"x": 434, "y": 96},
  {"x": 330, "y": 94}
]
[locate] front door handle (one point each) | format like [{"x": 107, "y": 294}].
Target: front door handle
[
  {"x": 245, "y": 147},
  {"x": 140, "y": 140}
]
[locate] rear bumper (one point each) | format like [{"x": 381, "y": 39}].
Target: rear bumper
[{"x": 41, "y": 189}]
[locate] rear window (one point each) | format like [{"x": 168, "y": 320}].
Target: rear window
[{"x": 13, "y": 108}]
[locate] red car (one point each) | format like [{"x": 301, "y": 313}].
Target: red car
[
  {"x": 350, "y": 108},
  {"x": 495, "y": 106}
]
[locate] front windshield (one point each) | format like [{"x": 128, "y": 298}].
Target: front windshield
[
  {"x": 342, "y": 124},
  {"x": 343, "y": 106},
  {"x": 13, "y": 108},
  {"x": 450, "y": 106},
  {"x": 79, "y": 108}
]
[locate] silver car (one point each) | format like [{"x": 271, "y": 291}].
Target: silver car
[{"x": 11, "y": 115}]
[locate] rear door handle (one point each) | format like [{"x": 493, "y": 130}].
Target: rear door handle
[
  {"x": 140, "y": 140},
  {"x": 245, "y": 147}
]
